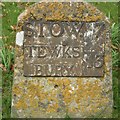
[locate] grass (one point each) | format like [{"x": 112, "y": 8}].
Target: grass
[
  {"x": 6, "y": 96},
  {"x": 7, "y": 56},
  {"x": 115, "y": 65},
  {"x": 9, "y": 18},
  {"x": 110, "y": 9}
]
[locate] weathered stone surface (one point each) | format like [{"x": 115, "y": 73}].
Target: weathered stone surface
[{"x": 54, "y": 97}]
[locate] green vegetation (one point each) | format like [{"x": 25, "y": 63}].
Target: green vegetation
[
  {"x": 116, "y": 69},
  {"x": 10, "y": 12},
  {"x": 9, "y": 20},
  {"x": 110, "y": 9}
]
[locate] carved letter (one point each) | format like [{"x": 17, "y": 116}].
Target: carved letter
[
  {"x": 56, "y": 29},
  {"x": 41, "y": 29},
  {"x": 42, "y": 52},
  {"x": 38, "y": 69},
  {"x": 77, "y": 52},
  {"x": 29, "y": 32},
  {"x": 68, "y": 69},
  {"x": 58, "y": 70},
  {"x": 73, "y": 31},
  {"x": 66, "y": 52}
]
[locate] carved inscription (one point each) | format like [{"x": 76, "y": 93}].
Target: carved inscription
[{"x": 56, "y": 48}]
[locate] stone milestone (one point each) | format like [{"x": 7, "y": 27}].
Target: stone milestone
[{"x": 63, "y": 62}]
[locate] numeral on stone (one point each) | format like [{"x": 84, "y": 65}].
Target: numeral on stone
[
  {"x": 98, "y": 61},
  {"x": 95, "y": 61}
]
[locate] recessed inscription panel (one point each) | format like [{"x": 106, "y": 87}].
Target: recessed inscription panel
[{"x": 63, "y": 48}]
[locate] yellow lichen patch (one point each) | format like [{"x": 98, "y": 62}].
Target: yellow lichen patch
[
  {"x": 21, "y": 104},
  {"x": 67, "y": 97},
  {"x": 64, "y": 12},
  {"x": 52, "y": 98},
  {"x": 25, "y": 95},
  {"x": 93, "y": 108},
  {"x": 17, "y": 91},
  {"x": 41, "y": 95},
  {"x": 72, "y": 110},
  {"x": 88, "y": 89},
  {"x": 107, "y": 58},
  {"x": 82, "y": 108},
  {"x": 54, "y": 92},
  {"x": 80, "y": 95},
  {"x": 33, "y": 103},
  {"x": 58, "y": 82},
  {"x": 66, "y": 82},
  {"x": 32, "y": 89},
  {"x": 52, "y": 108}
]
